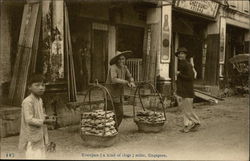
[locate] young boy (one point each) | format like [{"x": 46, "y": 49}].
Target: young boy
[
  {"x": 33, "y": 131},
  {"x": 185, "y": 91}
]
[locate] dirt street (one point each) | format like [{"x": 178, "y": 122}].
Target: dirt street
[{"x": 222, "y": 136}]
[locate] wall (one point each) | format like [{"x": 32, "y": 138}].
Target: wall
[
  {"x": 5, "y": 45},
  {"x": 10, "y": 120},
  {"x": 239, "y": 5},
  {"x": 124, "y": 14},
  {"x": 128, "y": 16}
]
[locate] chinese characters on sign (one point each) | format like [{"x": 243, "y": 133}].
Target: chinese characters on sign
[{"x": 203, "y": 7}]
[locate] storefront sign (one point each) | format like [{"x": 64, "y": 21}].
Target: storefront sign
[
  {"x": 222, "y": 46},
  {"x": 166, "y": 34},
  {"x": 203, "y": 7},
  {"x": 148, "y": 39},
  {"x": 222, "y": 39}
]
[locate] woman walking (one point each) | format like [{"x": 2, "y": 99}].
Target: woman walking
[{"x": 185, "y": 91}]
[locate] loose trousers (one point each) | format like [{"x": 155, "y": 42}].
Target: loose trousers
[
  {"x": 189, "y": 116},
  {"x": 32, "y": 153},
  {"x": 118, "y": 105}
]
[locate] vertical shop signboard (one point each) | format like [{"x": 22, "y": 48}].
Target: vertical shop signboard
[
  {"x": 222, "y": 39},
  {"x": 166, "y": 34},
  {"x": 222, "y": 44},
  {"x": 148, "y": 39}
]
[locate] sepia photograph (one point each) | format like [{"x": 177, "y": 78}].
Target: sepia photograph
[{"x": 124, "y": 79}]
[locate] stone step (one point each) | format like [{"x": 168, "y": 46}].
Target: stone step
[{"x": 10, "y": 120}]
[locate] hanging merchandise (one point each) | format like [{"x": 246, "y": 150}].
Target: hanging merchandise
[
  {"x": 98, "y": 127},
  {"x": 95, "y": 123},
  {"x": 151, "y": 119}
]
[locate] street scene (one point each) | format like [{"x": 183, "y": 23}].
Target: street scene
[
  {"x": 223, "y": 136},
  {"x": 124, "y": 80}
]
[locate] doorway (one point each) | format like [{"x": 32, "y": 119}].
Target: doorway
[
  {"x": 190, "y": 32},
  {"x": 99, "y": 63},
  {"x": 235, "y": 45},
  {"x": 194, "y": 47}
]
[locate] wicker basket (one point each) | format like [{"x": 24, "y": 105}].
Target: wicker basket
[
  {"x": 149, "y": 128},
  {"x": 98, "y": 141}
]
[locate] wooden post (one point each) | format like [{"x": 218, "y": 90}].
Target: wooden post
[{"x": 27, "y": 51}]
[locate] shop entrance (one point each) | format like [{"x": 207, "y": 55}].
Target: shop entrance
[
  {"x": 235, "y": 45},
  {"x": 194, "y": 47},
  {"x": 190, "y": 32}
]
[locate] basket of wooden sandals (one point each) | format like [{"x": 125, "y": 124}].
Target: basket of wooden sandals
[
  {"x": 151, "y": 119},
  {"x": 98, "y": 127}
]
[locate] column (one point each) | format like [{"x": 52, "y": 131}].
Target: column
[
  {"x": 153, "y": 34},
  {"x": 222, "y": 47},
  {"x": 158, "y": 52},
  {"x": 111, "y": 42},
  {"x": 165, "y": 40},
  {"x": 212, "y": 67}
]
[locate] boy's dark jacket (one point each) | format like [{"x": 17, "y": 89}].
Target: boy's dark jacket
[{"x": 185, "y": 87}]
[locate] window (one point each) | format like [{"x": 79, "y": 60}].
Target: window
[
  {"x": 240, "y": 5},
  {"x": 246, "y": 6},
  {"x": 232, "y": 4}
]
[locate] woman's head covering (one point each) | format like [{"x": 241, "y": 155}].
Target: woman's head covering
[
  {"x": 126, "y": 54},
  {"x": 181, "y": 49}
]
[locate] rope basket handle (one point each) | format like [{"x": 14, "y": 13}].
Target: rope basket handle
[
  {"x": 106, "y": 94},
  {"x": 138, "y": 90}
]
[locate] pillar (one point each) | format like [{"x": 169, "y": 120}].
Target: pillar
[
  {"x": 158, "y": 54},
  {"x": 165, "y": 42},
  {"x": 213, "y": 63},
  {"x": 222, "y": 47},
  {"x": 111, "y": 42},
  {"x": 153, "y": 34},
  {"x": 165, "y": 48}
]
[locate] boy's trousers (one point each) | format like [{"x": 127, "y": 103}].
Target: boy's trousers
[
  {"x": 189, "y": 116},
  {"x": 32, "y": 153}
]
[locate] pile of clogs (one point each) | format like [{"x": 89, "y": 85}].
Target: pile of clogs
[{"x": 96, "y": 123}]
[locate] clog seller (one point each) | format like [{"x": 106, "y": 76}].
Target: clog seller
[{"x": 119, "y": 77}]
